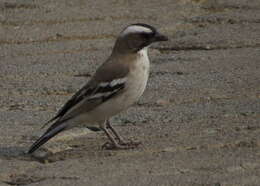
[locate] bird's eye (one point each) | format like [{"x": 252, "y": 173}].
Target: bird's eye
[{"x": 147, "y": 35}]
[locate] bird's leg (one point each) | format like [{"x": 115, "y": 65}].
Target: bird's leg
[
  {"x": 130, "y": 144},
  {"x": 114, "y": 144},
  {"x": 111, "y": 138},
  {"x": 120, "y": 139}
]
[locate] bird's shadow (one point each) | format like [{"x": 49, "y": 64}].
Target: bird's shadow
[
  {"x": 14, "y": 152},
  {"x": 20, "y": 153}
]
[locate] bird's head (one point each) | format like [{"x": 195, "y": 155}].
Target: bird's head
[{"x": 135, "y": 37}]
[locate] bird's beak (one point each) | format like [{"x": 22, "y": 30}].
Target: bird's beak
[{"x": 160, "y": 37}]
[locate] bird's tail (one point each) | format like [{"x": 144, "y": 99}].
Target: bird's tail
[{"x": 51, "y": 132}]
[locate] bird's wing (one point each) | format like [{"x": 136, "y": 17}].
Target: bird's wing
[
  {"x": 96, "y": 92},
  {"x": 84, "y": 100},
  {"x": 108, "y": 81},
  {"x": 71, "y": 102}
]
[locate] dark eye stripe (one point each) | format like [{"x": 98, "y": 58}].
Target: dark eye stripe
[{"x": 147, "y": 35}]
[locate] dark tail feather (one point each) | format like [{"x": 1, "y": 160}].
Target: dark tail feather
[
  {"x": 48, "y": 122},
  {"x": 45, "y": 137},
  {"x": 94, "y": 129}
]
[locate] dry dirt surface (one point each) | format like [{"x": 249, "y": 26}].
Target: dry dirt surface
[{"x": 198, "y": 120}]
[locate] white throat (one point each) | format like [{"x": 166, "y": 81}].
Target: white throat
[
  {"x": 144, "y": 52},
  {"x": 143, "y": 59}
]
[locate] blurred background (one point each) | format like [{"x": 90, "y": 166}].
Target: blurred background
[{"x": 198, "y": 119}]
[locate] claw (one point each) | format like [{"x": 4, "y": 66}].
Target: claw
[
  {"x": 121, "y": 146},
  {"x": 116, "y": 142},
  {"x": 131, "y": 143}
]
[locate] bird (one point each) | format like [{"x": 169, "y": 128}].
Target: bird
[{"x": 116, "y": 85}]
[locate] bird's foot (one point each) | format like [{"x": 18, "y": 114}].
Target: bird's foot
[
  {"x": 130, "y": 143},
  {"x": 112, "y": 146},
  {"x": 120, "y": 146}
]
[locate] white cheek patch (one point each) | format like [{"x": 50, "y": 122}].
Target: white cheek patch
[{"x": 136, "y": 29}]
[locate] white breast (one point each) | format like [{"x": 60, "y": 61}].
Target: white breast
[
  {"x": 134, "y": 88},
  {"x": 138, "y": 77}
]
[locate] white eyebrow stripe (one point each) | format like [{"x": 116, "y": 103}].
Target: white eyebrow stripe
[{"x": 136, "y": 29}]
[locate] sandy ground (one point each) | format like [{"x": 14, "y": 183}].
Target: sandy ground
[{"x": 199, "y": 119}]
